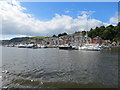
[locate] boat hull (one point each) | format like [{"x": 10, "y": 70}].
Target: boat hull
[{"x": 67, "y": 48}]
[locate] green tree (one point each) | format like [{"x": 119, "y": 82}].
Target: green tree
[
  {"x": 84, "y": 32},
  {"x": 106, "y": 34},
  {"x": 62, "y": 34},
  {"x": 54, "y": 36},
  {"x": 77, "y": 32},
  {"x": 59, "y": 35}
]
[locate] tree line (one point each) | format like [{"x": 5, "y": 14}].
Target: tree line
[{"x": 110, "y": 32}]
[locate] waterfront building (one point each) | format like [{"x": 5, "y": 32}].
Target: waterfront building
[{"x": 97, "y": 40}]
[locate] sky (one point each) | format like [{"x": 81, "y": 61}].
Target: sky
[
  {"x": 21, "y": 19},
  {"x": 46, "y": 11}
]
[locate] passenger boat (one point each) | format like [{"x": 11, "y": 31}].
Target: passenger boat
[{"x": 90, "y": 47}]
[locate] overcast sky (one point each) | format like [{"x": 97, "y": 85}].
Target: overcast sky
[{"x": 21, "y": 19}]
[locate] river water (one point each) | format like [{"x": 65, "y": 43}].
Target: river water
[{"x": 54, "y": 68}]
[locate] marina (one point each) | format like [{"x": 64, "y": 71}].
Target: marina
[
  {"x": 67, "y": 42},
  {"x": 92, "y": 47}
]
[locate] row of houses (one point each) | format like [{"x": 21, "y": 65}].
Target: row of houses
[{"x": 76, "y": 39}]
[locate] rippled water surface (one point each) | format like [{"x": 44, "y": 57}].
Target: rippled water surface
[{"x": 52, "y": 67}]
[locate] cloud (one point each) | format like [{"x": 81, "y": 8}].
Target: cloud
[
  {"x": 16, "y": 22},
  {"x": 67, "y": 11},
  {"x": 113, "y": 20},
  {"x": 89, "y": 13}
]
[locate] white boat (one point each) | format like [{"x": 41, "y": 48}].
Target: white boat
[
  {"x": 29, "y": 45},
  {"x": 43, "y": 46},
  {"x": 105, "y": 46},
  {"x": 38, "y": 45},
  {"x": 90, "y": 47},
  {"x": 21, "y": 46}
]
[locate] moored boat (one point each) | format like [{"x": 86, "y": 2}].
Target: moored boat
[
  {"x": 29, "y": 46},
  {"x": 21, "y": 46},
  {"x": 67, "y": 47},
  {"x": 90, "y": 47}
]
